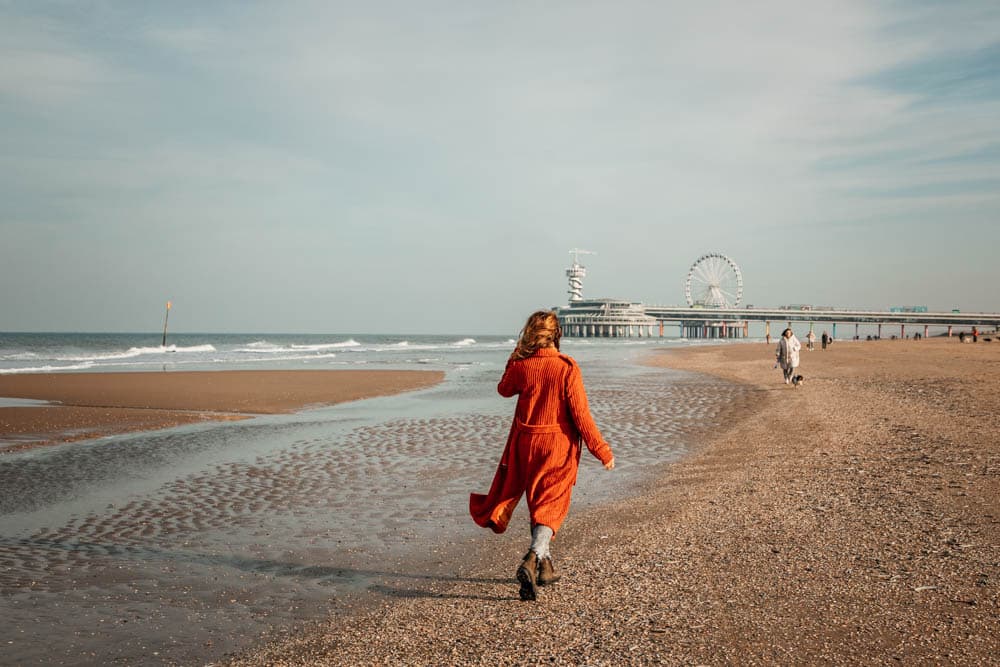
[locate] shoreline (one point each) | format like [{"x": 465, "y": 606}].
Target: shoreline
[
  {"x": 86, "y": 406},
  {"x": 849, "y": 520}
]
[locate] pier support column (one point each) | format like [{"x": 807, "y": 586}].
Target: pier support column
[
  {"x": 767, "y": 332},
  {"x": 902, "y": 331},
  {"x": 661, "y": 328},
  {"x": 880, "y": 331},
  {"x": 834, "y": 330},
  {"x": 926, "y": 330},
  {"x": 856, "y": 334}
]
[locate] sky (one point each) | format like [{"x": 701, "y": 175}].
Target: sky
[{"x": 426, "y": 167}]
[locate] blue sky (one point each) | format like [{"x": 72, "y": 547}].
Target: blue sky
[{"x": 426, "y": 167}]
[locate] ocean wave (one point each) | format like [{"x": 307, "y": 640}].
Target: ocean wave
[
  {"x": 133, "y": 352},
  {"x": 259, "y": 345},
  {"x": 465, "y": 342},
  {"x": 47, "y": 369},
  {"x": 264, "y": 347},
  {"x": 19, "y": 356},
  {"x": 226, "y": 360},
  {"x": 328, "y": 346}
]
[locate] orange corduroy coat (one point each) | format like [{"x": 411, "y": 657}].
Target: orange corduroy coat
[{"x": 542, "y": 453}]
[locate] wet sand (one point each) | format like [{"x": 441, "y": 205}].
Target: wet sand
[
  {"x": 188, "y": 545},
  {"x": 93, "y": 405},
  {"x": 853, "y": 520}
]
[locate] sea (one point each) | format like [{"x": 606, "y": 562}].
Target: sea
[
  {"x": 188, "y": 544},
  {"x": 96, "y": 352}
]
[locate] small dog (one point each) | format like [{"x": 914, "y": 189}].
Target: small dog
[{"x": 797, "y": 380}]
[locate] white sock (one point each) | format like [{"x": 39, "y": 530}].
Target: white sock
[{"x": 540, "y": 536}]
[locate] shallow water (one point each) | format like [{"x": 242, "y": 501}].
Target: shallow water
[{"x": 186, "y": 544}]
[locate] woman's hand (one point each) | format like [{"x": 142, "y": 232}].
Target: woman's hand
[{"x": 610, "y": 465}]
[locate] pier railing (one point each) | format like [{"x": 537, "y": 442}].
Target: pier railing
[{"x": 687, "y": 314}]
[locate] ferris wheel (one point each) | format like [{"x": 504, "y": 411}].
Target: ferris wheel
[{"x": 714, "y": 281}]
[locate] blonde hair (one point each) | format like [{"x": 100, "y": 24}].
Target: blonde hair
[{"x": 541, "y": 330}]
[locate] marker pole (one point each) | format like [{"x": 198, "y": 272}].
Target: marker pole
[{"x": 167, "y": 317}]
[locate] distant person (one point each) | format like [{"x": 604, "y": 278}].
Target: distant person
[
  {"x": 811, "y": 340},
  {"x": 542, "y": 453},
  {"x": 825, "y": 340},
  {"x": 787, "y": 354},
  {"x": 961, "y": 336},
  {"x": 975, "y": 335}
]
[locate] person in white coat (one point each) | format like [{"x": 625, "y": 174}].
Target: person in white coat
[{"x": 788, "y": 354}]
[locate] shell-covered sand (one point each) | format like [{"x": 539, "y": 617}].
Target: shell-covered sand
[{"x": 853, "y": 520}]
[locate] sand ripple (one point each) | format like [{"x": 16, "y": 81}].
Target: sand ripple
[{"x": 313, "y": 510}]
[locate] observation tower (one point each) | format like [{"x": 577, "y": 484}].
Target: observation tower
[
  {"x": 585, "y": 318},
  {"x": 576, "y": 274}
]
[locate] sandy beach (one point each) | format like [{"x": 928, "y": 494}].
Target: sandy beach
[
  {"x": 853, "y": 520},
  {"x": 92, "y": 405}
]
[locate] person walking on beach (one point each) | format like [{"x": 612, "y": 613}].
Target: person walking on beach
[
  {"x": 810, "y": 340},
  {"x": 825, "y": 339},
  {"x": 787, "y": 354},
  {"x": 543, "y": 450}
]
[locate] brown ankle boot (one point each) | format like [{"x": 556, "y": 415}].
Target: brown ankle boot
[
  {"x": 526, "y": 574},
  {"x": 547, "y": 572}
]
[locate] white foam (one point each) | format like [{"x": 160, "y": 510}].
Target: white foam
[
  {"x": 258, "y": 345},
  {"x": 47, "y": 369},
  {"x": 133, "y": 352},
  {"x": 19, "y": 356},
  {"x": 465, "y": 342},
  {"x": 289, "y": 356},
  {"x": 328, "y": 346},
  {"x": 264, "y": 347}
]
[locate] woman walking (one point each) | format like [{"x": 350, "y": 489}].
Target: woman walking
[
  {"x": 542, "y": 453},
  {"x": 788, "y": 354}
]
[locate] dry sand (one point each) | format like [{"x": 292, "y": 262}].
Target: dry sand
[
  {"x": 853, "y": 520},
  {"x": 94, "y": 405}
]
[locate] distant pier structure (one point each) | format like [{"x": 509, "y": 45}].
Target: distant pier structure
[
  {"x": 600, "y": 318},
  {"x": 714, "y": 291},
  {"x": 714, "y": 281}
]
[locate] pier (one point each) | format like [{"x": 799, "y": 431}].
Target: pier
[{"x": 713, "y": 281}]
